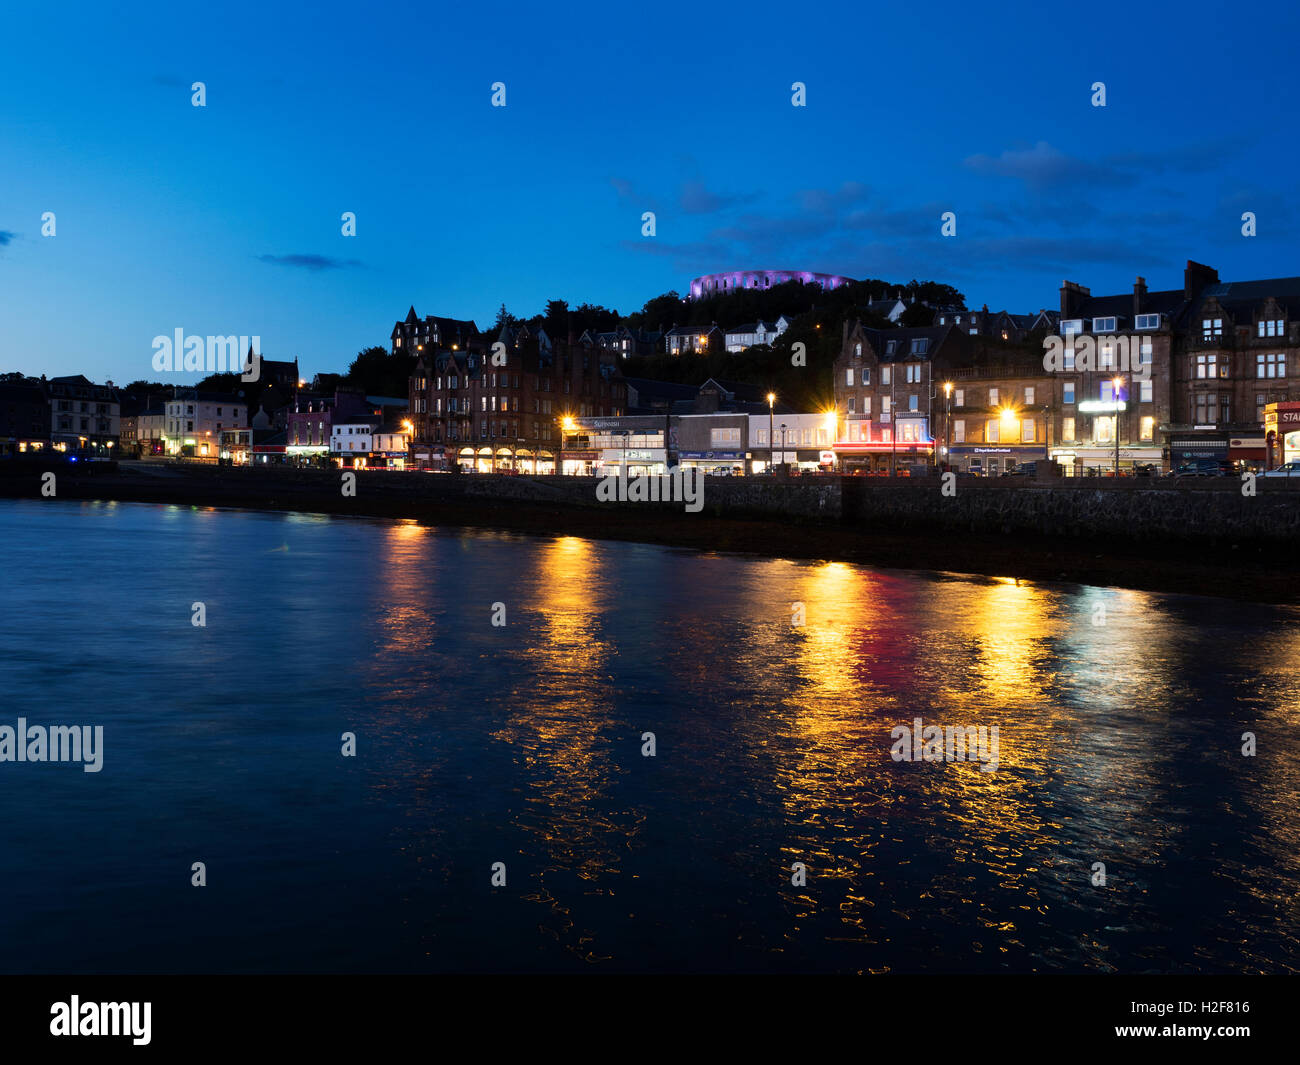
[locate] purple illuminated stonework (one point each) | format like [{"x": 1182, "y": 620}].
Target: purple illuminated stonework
[{"x": 731, "y": 280}]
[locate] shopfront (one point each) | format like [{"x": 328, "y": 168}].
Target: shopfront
[
  {"x": 1100, "y": 460},
  {"x": 993, "y": 460},
  {"x": 1282, "y": 433},
  {"x": 1187, "y": 448},
  {"x": 715, "y": 462}
]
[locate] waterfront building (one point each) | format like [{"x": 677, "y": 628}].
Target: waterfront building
[
  {"x": 309, "y": 432},
  {"x": 486, "y": 412},
  {"x": 1241, "y": 355},
  {"x": 886, "y": 385},
  {"x": 24, "y": 417},
  {"x": 193, "y": 421},
  {"x": 797, "y": 441},
  {"x": 83, "y": 416}
]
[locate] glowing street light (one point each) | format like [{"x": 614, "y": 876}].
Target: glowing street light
[
  {"x": 1116, "y": 381},
  {"x": 771, "y": 429}
]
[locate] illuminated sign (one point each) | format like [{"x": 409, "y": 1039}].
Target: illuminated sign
[{"x": 1102, "y": 406}]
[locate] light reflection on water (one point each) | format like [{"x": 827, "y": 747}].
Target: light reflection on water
[{"x": 477, "y": 743}]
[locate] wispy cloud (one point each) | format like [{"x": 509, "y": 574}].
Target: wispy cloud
[
  {"x": 1044, "y": 167},
  {"x": 6, "y": 236},
  {"x": 309, "y": 262}
]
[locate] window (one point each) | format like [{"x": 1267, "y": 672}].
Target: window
[
  {"x": 959, "y": 431},
  {"x": 762, "y": 438},
  {"x": 911, "y": 402},
  {"x": 991, "y": 431},
  {"x": 729, "y": 437},
  {"x": 865, "y": 376},
  {"x": 1145, "y": 391},
  {"x": 1069, "y": 356},
  {"x": 1027, "y": 431},
  {"x": 1107, "y": 392},
  {"x": 1067, "y": 428},
  {"x": 1103, "y": 429},
  {"x": 848, "y": 377},
  {"x": 920, "y": 345},
  {"x": 1101, "y": 325},
  {"x": 866, "y": 406},
  {"x": 1148, "y": 428},
  {"x": 959, "y": 397},
  {"x": 1070, "y": 326},
  {"x": 1272, "y": 327},
  {"x": 993, "y": 396},
  {"x": 886, "y": 375},
  {"x": 1270, "y": 365},
  {"x": 1209, "y": 408},
  {"x": 913, "y": 373},
  {"x": 1148, "y": 321},
  {"x": 885, "y": 407},
  {"x": 1029, "y": 395},
  {"x": 890, "y": 346},
  {"x": 1106, "y": 355},
  {"x": 1144, "y": 352},
  {"x": 1207, "y": 367},
  {"x": 851, "y": 405},
  {"x": 857, "y": 353},
  {"x": 1211, "y": 328}
]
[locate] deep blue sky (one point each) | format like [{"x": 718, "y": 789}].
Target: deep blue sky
[{"x": 225, "y": 219}]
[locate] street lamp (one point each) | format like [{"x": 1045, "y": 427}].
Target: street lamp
[
  {"x": 566, "y": 425},
  {"x": 1116, "y": 382},
  {"x": 783, "y": 444},
  {"x": 771, "y": 432},
  {"x": 947, "y": 429}
]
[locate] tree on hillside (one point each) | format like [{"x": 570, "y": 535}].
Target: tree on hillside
[
  {"x": 504, "y": 318},
  {"x": 377, "y": 372},
  {"x": 917, "y": 314}
]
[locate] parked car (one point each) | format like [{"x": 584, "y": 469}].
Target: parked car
[
  {"x": 1287, "y": 469},
  {"x": 1204, "y": 468}
]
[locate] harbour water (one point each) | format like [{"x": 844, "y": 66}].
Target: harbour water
[{"x": 1120, "y": 718}]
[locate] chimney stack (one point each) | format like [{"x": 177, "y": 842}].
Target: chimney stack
[
  {"x": 1196, "y": 277},
  {"x": 1139, "y": 295},
  {"x": 1072, "y": 297}
]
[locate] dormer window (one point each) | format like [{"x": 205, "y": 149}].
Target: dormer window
[
  {"x": 1103, "y": 325},
  {"x": 920, "y": 345},
  {"x": 1211, "y": 328},
  {"x": 1272, "y": 327},
  {"x": 1147, "y": 321},
  {"x": 1071, "y": 326}
]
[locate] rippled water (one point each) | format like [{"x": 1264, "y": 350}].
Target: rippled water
[{"x": 1119, "y": 743}]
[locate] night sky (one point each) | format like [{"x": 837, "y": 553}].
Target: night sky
[{"x": 226, "y": 219}]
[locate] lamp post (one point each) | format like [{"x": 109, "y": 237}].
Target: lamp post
[
  {"x": 893, "y": 425},
  {"x": 1116, "y": 382},
  {"x": 566, "y": 425},
  {"x": 783, "y": 445},
  {"x": 947, "y": 426},
  {"x": 771, "y": 432}
]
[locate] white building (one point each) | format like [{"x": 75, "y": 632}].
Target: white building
[
  {"x": 193, "y": 421},
  {"x": 803, "y": 440},
  {"x": 751, "y": 333}
]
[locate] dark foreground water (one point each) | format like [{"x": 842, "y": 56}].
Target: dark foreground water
[{"x": 1119, "y": 743}]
